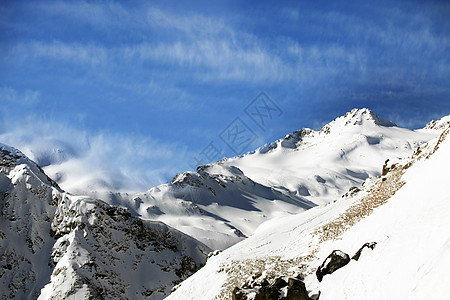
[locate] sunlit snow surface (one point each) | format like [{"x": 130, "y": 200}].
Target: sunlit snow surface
[{"x": 410, "y": 261}]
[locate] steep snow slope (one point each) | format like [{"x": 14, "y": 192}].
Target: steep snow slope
[
  {"x": 406, "y": 211},
  {"x": 79, "y": 246},
  {"x": 413, "y": 236},
  {"x": 223, "y": 202}
]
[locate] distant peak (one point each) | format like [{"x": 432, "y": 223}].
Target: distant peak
[
  {"x": 440, "y": 124},
  {"x": 357, "y": 116}
]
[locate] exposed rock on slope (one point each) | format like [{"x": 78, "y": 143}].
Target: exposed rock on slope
[
  {"x": 283, "y": 288},
  {"x": 28, "y": 201},
  {"x": 336, "y": 260},
  {"x": 370, "y": 246}
]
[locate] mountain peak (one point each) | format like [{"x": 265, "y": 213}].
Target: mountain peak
[
  {"x": 440, "y": 124},
  {"x": 357, "y": 116},
  {"x": 10, "y": 158}
]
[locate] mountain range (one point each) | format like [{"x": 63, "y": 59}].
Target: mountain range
[{"x": 276, "y": 212}]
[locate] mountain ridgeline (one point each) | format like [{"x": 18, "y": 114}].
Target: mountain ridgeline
[{"x": 275, "y": 212}]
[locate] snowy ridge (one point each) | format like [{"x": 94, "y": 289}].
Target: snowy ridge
[
  {"x": 439, "y": 124},
  {"x": 322, "y": 165},
  {"x": 79, "y": 246},
  {"x": 28, "y": 202},
  {"x": 218, "y": 204},
  {"x": 405, "y": 211},
  {"x": 224, "y": 202},
  {"x": 11, "y": 158},
  {"x": 357, "y": 116}
]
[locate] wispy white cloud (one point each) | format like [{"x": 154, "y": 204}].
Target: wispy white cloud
[
  {"x": 210, "y": 48},
  {"x": 215, "y": 60},
  {"x": 207, "y": 48},
  {"x": 11, "y": 96},
  {"x": 205, "y": 59},
  {"x": 84, "y": 161},
  {"x": 92, "y": 13},
  {"x": 192, "y": 24},
  {"x": 60, "y": 51}
]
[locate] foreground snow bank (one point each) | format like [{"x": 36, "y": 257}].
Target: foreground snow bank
[{"x": 405, "y": 211}]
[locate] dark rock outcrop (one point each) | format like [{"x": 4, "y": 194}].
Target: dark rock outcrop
[
  {"x": 296, "y": 290},
  {"x": 293, "y": 288},
  {"x": 387, "y": 167},
  {"x": 336, "y": 260},
  {"x": 370, "y": 246}
]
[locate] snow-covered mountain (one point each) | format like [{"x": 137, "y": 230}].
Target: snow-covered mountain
[
  {"x": 224, "y": 202},
  {"x": 402, "y": 218},
  {"x": 281, "y": 207},
  {"x": 80, "y": 247}
]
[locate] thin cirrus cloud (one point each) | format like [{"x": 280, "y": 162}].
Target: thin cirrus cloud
[
  {"x": 212, "y": 60},
  {"x": 213, "y": 50},
  {"x": 193, "y": 25},
  {"x": 216, "y": 50},
  {"x": 151, "y": 69},
  {"x": 95, "y": 14},
  {"x": 215, "y": 60},
  {"x": 56, "y": 50},
  {"x": 206, "y": 46},
  {"x": 14, "y": 97}
]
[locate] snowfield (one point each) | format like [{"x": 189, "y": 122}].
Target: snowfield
[{"x": 412, "y": 257}]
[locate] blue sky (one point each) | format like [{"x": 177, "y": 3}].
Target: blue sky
[{"x": 144, "y": 87}]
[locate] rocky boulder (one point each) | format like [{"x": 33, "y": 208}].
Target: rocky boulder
[
  {"x": 283, "y": 288},
  {"x": 336, "y": 260},
  {"x": 296, "y": 290}
]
